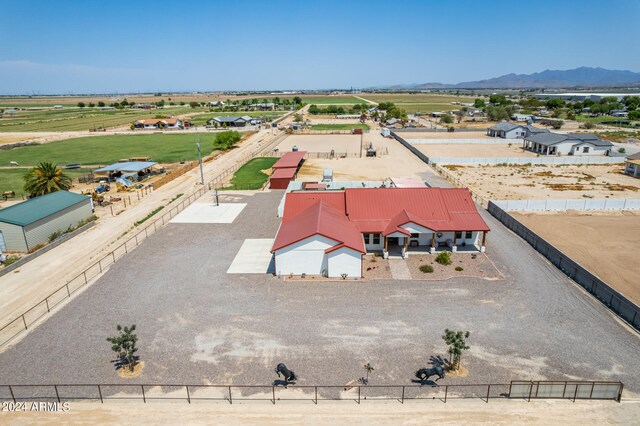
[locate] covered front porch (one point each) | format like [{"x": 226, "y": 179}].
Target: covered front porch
[
  {"x": 539, "y": 148},
  {"x": 400, "y": 245}
]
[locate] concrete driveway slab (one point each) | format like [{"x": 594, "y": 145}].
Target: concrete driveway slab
[
  {"x": 209, "y": 213},
  {"x": 254, "y": 257}
]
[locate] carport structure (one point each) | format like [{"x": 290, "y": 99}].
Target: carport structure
[{"x": 285, "y": 169}]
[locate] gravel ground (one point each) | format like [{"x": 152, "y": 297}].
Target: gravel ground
[
  {"x": 474, "y": 265},
  {"x": 198, "y": 324}
]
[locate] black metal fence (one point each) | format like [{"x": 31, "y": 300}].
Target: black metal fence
[
  {"x": 620, "y": 305},
  {"x": 524, "y": 390},
  {"x": 410, "y": 147}
]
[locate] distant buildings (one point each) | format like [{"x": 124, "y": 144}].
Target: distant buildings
[
  {"x": 234, "y": 121},
  {"x": 158, "y": 123},
  {"x": 596, "y": 97},
  {"x": 513, "y": 131}
]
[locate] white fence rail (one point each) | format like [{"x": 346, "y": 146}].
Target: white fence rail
[
  {"x": 493, "y": 141},
  {"x": 563, "y": 205},
  {"x": 526, "y": 160}
]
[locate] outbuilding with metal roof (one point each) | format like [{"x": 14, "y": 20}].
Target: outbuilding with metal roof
[{"x": 27, "y": 224}]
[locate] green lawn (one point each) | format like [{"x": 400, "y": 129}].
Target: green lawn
[
  {"x": 73, "y": 119},
  {"x": 102, "y": 150},
  {"x": 331, "y": 100},
  {"x": 339, "y": 126},
  {"x": 12, "y": 179},
  {"x": 250, "y": 176},
  {"x": 201, "y": 119}
]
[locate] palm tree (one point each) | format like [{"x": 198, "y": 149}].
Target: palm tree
[{"x": 46, "y": 177}]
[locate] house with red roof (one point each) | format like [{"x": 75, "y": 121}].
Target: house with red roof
[{"x": 327, "y": 232}]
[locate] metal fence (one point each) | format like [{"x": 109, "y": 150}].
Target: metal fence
[
  {"x": 30, "y": 316},
  {"x": 410, "y": 147},
  {"x": 525, "y": 390},
  {"x": 620, "y": 305},
  {"x": 492, "y": 141},
  {"x": 601, "y": 204},
  {"x": 542, "y": 160}
]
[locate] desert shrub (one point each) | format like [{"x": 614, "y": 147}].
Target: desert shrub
[
  {"x": 459, "y": 268},
  {"x": 54, "y": 236},
  {"x": 427, "y": 269},
  {"x": 444, "y": 258}
]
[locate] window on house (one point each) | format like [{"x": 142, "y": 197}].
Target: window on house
[
  {"x": 376, "y": 238},
  {"x": 458, "y": 234},
  {"x": 585, "y": 149},
  {"x": 468, "y": 235},
  {"x": 414, "y": 235},
  {"x": 366, "y": 238}
]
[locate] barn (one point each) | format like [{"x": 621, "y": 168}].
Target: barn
[
  {"x": 27, "y": 224},
  {"x": 285, "y": 169}
]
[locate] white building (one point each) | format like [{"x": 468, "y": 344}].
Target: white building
[
  {"x": 570, "y": 144},
  {"x": 513, "y": 131},
  {"x": 632, "y": 165}
]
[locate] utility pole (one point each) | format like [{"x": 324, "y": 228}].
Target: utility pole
[{"x": 200, "y": 160}]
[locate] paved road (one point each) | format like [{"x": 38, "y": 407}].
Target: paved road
[{"x": 198, "y": 324}]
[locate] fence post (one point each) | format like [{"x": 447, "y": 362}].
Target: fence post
[
  {"x": 230, "y": 400},
  {"x": 575, "y": 394},
  {"x": 100, "y": 265},
  {"x": 68, "y": 292},
  {"x": 57, "y": 394},
  {"x": 402, "y": 400},
  {"x": 12, "y": 395},
  {"x": 446, "y": 391},
  {"x": 273, "y": 393},
  {"x": 47, "y": 302},
  {"x": 100, "y": 393},
  {"x": 24, "y": 321},
  {"x": 488, "y": 391},
  {"x": 144, "y": 398},
  {"x": 113, "y": 255},
  {"x": 593, "y": 384},
  {"x": 530, "y": 390},
  {"x": 358, "y": 394},
  {"x": 85, "y": 276},
  {"x": 316, "y": 395},
  {"x": 188, "y": 396}
]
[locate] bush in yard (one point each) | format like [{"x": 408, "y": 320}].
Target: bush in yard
[
  {"x": 444, "y": 258},
  {"x": 459, "y": 268},
  {"x": 589, "y": 125},
  {"x": 427, "y": 269},
  {"x": 622, "y": 150},
  {"x": 124, "y": 345}
]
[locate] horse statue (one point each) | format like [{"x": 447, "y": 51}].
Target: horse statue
[
  {"x": 289, "y": 375},
  {"x": 424, "y": 373}
]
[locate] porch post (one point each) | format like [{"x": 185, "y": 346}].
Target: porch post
[
  {"x": 433, "y": 243},
  {"x": 385, "y": 253},
  {"x": 406, "y": 246},
  {"x": 484, "y": 240},
  {"x": 454, "y": 248}
]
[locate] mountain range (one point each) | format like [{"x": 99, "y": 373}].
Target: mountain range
[{"x": 582, "y": 77}]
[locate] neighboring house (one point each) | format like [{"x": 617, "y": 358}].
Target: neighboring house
[
  {"x": 570, "y": 144},
  {"x": 522, "y": 117},
  {"x": 231, "y": 121},
  {"x": 392, "y": 122},
  {"x": 514, "y": 131},
  {"x": 216, "y": 103},
  {"x": 27, "y": 224},
  {"x": 328, "y": 232},
  {"x": 158, "y": 123},
  {"x": 475, "y": 113},
  {"x": 632, "y": 165},
  {"x": 619, "y": 113},
  {"x": 143, "y": 106},
  {"x": 263, "y": 106}
]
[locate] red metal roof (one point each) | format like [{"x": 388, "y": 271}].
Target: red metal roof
[
  {"x": 323, "y": 219},
  {"x": 290, "y": 159},
  {"x": 377, "y": 210},
  {"x": 286, "y": 173},
  {"x": 297, "y": 202},
  {"x": 312, "y": 185},
  {"x": 439, "y": 209}
]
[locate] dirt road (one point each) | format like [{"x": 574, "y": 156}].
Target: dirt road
[{"x": 496, "y": 412}]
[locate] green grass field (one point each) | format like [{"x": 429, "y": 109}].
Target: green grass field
[
  {"x": 339, "y": 126},
  {"x": 250, "y": 176},
  {"x": 102, "y": 150},
  {"x": 13, "y": 179},
  {"x": 201, "y": 119},
  {"x": 74, "y": 119},
  {"x": 331, "y": 100}
]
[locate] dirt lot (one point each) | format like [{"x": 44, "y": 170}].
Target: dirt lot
[
  {"x": 444, "y": 135},
  {"x": 471, "y": 151},
  {"x": 323, "y": 143},
  {"x": 552, "y": 182},
  {"x": 605, "y": 243}
]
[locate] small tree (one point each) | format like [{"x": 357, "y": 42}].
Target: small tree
[
  {"x": 368, "y": 368},
  {"x": 194, "y": 104},
  {"x": 446, "y": 119},
  {"x": 444, "y": 258},
  {"x": 124, "y": 345},
  {"x": 457, "y": 342},
  {"x": 81, "y": 105},
  {"x": 589, "y": 125},
  {"x": 557, "y": 124},
  {"x": 297, "y": 118}
]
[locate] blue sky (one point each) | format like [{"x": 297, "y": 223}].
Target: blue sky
[{"x": 122, "y": 46}]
